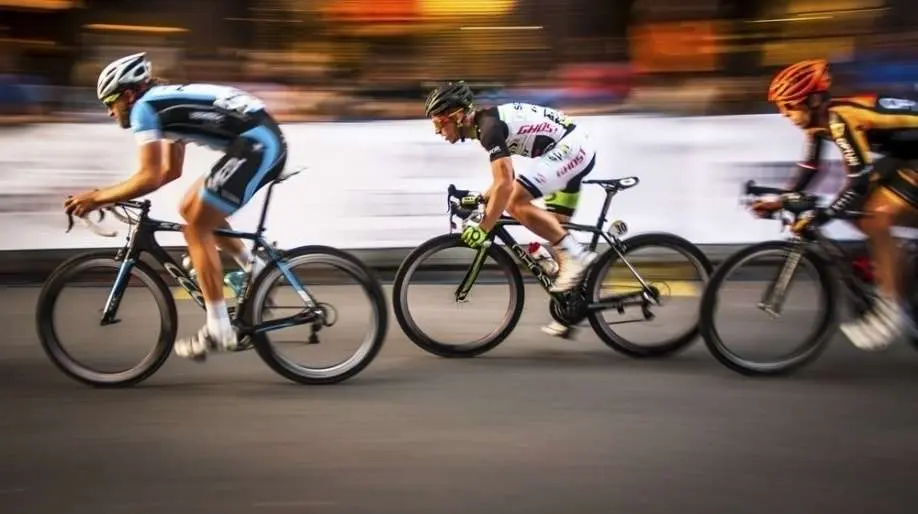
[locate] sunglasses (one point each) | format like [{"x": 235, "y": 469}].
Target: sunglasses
[{"x": 110, "y": 100}]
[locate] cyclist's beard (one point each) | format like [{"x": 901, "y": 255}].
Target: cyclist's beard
[{"x": 124, "y": 119}]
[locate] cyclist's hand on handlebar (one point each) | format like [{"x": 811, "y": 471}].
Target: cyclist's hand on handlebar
[
  {"x": 765, "y": 208},
  {"x": 816, "y": 217},
  {"x": 81, "y": 204}
]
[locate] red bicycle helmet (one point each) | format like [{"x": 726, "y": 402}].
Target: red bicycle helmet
[{"x": 794, "y": 83}]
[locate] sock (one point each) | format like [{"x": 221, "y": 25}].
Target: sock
[
  {"x": 218, "y": 322},
  {"x": 570, "y": 245}
]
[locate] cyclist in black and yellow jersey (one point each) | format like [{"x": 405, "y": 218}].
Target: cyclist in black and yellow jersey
[{"x": 887, "y": 188}]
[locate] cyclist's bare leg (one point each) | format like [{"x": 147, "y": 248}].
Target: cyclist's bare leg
[
  {"x": 232, "y": 246},
  {"x": 532, "y": 216},
  {"x": 201, "y": 220},
  {"x": 880, "y": 327},
  {"x": 573, "y": 257}
]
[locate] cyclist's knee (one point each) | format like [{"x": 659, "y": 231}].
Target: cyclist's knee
[
  {"x": 200, "y": 215},
  {"x": 515, "y": 209},
  {"x": 876, "y": 224}
]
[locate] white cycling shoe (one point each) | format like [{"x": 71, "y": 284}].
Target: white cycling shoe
[
  {"x": 556, "y": 329},
  {"x": 572, "y": 269},
  {"x": 879, "y": 327},
  {"x": 196, "y": 347}
]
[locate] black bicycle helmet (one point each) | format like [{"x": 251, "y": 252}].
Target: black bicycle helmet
[{"x": 451, "y": 96}]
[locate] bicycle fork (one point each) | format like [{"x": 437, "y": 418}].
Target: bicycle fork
[
  {"x": 773, "y": 300},
  {"x": 116, "y": 293}
]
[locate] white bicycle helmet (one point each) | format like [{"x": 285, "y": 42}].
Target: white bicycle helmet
[{"x": 123, "y": 72}]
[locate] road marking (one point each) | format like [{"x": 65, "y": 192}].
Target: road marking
[
  {"x": 666, "y": 287},
  {"x": 180, "y": 294}
]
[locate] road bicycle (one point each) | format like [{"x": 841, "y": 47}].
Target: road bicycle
[
  {"x": 247, "y": 315},
  {"x": 584, "y": 302},
  {"x": 830, "y": 263}
]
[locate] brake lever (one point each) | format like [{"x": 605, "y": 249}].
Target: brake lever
[{"x": 100, "y": 212}]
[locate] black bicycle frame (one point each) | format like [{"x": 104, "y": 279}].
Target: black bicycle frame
[
  {"x": 859, "y": 292},
  {"x": 142, "y": 239},
  {"x": 500, "y": 232}
]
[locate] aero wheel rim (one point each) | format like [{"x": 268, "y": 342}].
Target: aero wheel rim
[
  {"x": 799, "y": 350},
  {"x": 449, "y": 286},
  {"x": 686, "y": 282},
  {"x": 67, "y": 358}
]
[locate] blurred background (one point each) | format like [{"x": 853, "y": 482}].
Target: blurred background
[{"x": 374, "y": 59}]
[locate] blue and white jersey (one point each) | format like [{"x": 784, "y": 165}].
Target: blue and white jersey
[{"x": 205, "y": 114}]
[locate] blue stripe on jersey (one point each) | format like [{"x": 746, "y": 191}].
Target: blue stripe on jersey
[
  {"x": 143, "y": 117},
  {"x": 272, "y": 151}
]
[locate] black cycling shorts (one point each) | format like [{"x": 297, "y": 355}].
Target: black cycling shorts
[
  {"x": 899, "y": 176},
  {"x": 252, "y": 160}
]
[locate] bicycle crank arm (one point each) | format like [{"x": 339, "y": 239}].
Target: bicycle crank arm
[
  {"x": 619, "y": 302},
  {"x": 289, "y": 321}
]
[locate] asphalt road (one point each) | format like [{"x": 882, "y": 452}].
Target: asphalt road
[{"x": 539, "y": 425}]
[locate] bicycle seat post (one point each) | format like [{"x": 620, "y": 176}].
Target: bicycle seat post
[
  {"x": 264, "y": 208},
  {"x": 603, "y": 213}
]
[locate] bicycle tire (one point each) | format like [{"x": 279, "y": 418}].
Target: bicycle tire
[
  {"x": 425, "y": 342},
  {"x": 44, "y": 319},
  {"x": 594, "y": 285},
  {"x": 813, "y": 345},
  {"x": 357, "y": 269}
]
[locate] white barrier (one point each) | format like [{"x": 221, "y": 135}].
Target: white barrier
[{"x": 382, "y": 184}]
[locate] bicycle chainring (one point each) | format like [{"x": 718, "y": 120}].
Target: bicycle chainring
[{"x": 571, "y": 310}]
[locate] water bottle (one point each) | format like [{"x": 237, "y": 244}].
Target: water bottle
[{"x": 544, "y": 259}]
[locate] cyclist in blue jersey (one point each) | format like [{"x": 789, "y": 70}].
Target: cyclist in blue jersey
[{"x": 163, "y": 119}]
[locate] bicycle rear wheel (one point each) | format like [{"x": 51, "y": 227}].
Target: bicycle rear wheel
[
  {"x": 756, "y": 286},
  {"x": 270, "y": 284},
  {"x": 76, "y": 271},
  {"x": 679, "y": 279}
]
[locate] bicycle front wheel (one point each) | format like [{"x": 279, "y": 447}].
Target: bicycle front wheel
[
  {"x": 91, "y": 280},
  {"x": 456, "y": 277},
  {"x": 786, "y": 281},
  {"x": 325, "y": 272}
]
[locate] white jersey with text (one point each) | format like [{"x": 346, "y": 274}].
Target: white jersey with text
[
  {"x": 523, "y": 129},
  {"x": 563, "y": 153}
]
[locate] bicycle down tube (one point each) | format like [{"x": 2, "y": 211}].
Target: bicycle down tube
[
  {"x": 501, "y": 233},
  {"x": 142, "y": 240}
]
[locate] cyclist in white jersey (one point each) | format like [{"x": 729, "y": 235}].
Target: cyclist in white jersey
[
  {"x": 563, "y": 156},
  {"x": 163, "y": 119}
]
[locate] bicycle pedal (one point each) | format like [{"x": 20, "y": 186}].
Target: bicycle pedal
[{"x": 244, "y": 344}]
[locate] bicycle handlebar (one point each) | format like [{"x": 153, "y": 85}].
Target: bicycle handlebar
[
  {"x": 454, "y": 199},
  {"x": 109, "y": 208},
  {"x": 750, "y": 188},
  {"x": 796, "y": 203}
]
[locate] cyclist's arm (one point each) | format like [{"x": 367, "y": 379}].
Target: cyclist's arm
[
  {"x": 855, "y": 151},
  {"x": 493, "y": 139},
  {"x": 156, "y": 161},
  {"x": 809, "y": 166}
]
